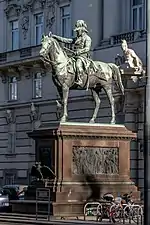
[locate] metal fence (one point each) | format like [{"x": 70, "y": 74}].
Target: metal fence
[
  {"x": 43, "y": 200},
  {"x": 122, "y": 214}
]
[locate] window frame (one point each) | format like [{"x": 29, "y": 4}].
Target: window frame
[
  {"x": 10, "y": 176},
  {"x": 35, "y": 81},
  {"x": 62, "y": 18},
  {"x": 38, "y": 26},
  {"x": 138, "y": 7},
  {"x": 13, "y": 31},
  {"x": 10, "y": 89}
]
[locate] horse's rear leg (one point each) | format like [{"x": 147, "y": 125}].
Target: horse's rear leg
[
  {"x": 59, "y": 103},
  {"x": 108, "y": 91},
  {"x": 97, "y": 100}
]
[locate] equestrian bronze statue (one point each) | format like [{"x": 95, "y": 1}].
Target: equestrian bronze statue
[{"x": 79, "y": 71}]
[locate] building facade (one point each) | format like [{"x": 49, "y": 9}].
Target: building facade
[{"x": 27, "y": 94}]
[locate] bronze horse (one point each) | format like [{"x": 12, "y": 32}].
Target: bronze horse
[{"x": 64, "y": 76}]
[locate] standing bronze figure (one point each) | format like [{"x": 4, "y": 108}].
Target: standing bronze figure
[{"x": 79, "y": 72}]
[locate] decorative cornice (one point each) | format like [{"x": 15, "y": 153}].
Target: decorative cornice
[
  {"x": 15, "y": 7},
  {"x": 29, "y": 6},
  {"x": 39, "y": 68},
  {"x": 25, "y": 71},
  {"x": 3, "y": 76},
  {"x": 13, "y": 71},
  {"x": 81, "y": 137}
]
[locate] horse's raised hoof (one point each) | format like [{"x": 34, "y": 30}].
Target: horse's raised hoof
[{"x": 92, "y": 121}]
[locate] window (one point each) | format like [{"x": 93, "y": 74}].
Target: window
[
  {"x": 13, "y": 88},
  {"x": 14, "y": 34},
  {"x": 65, "y": 21},
  {"x": 38, "y": 28},
  {"x": 37, "y": 85},
  {"x": 138, "y": 14},
  {"x": 9, "y": 179}
]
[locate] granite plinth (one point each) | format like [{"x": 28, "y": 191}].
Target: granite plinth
[{"x": 89, "y": 160}]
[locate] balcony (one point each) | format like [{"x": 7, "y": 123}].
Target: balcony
[
  {"x": 128, "y": 36},
  {"x": 26, "y": 54},
  {"x": 116, "y": 39}
]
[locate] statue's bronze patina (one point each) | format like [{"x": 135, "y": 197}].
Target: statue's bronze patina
[{"x": 79, "y": 71}]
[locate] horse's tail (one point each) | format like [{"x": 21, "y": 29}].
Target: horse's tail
[{"x": 117, "y": 76}]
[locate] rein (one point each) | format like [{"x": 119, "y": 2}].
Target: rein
[{"x": 54, "y": 63}]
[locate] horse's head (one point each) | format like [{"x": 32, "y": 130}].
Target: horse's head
[
  {"x": 46, "y": 45},
  {"x": 51, "y": 48}
]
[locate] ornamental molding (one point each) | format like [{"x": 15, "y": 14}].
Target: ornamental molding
[
  {"x": 34, "y": 112},
  {"x": 14, "y": 9},
  {"x": 29, "y": 6},
  {"x": 10, "y": 116},
  {"x": 24, "y": 71},
  {"x": 50, "y": 18},
  {"x": 25, "y": 25},
  {"x": 14, "y": 72},
  {"x": 4, "y": 77},
  {"x": 38, "y": 67}
]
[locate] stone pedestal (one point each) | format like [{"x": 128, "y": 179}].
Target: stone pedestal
[{"x": 88, "y": 160}]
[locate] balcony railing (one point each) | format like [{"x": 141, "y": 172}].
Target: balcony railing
[
  {"x": 29, "y": 52},
  {"x": 128, "y": 36},
  {"x": 3, "y": 57},
  {"x": 25, "y": 52},
  {"x": 116, "y": 39}
]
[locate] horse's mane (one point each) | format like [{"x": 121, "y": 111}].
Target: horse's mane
[{"x": 59, "y": 47}]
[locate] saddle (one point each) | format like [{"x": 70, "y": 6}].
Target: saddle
[{"x": 71, "y": 66}]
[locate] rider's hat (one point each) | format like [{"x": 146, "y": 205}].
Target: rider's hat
[{"x": 81, "y": 25}]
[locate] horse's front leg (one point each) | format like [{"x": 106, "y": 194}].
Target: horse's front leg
[
  {"x": 108, "y": 91},
  {"x": 97, "y": 100},
  {"x": 65, "y": 92}
]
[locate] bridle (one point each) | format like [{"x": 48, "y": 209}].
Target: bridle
[{"x": 47, "y": 59}]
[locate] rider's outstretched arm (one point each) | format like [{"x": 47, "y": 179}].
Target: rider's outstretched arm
[{"x": 63, "y": 40}]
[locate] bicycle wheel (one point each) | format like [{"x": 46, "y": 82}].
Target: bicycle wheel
[
  {"x": 127, "y": 212},
  {"x": 136, "y": 214},
  {"x": 116, "y": 214}
]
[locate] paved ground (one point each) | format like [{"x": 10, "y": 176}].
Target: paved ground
[
  {"x": 16, "y": 219},
  {"x": 70, "y": 223},
  {"x": 8, "y": 223}
]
